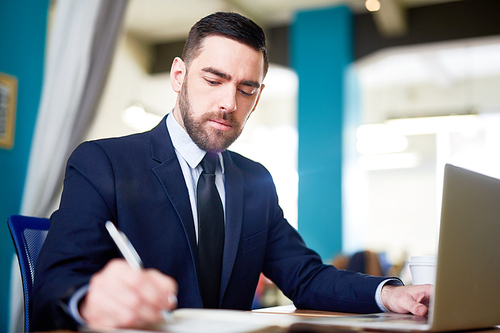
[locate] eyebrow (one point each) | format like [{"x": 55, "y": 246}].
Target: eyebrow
[{"x": 226, "y": 76}]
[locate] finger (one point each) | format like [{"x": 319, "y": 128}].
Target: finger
[
  {"x": 153, "y": 292},
  {"x": 415, "y": 300},
  {"x": 422, "y": 298},
  {"x": 102, "y": 309},
  {"x": 147, "y": 291},
  {"x": 121, "y": 297},
  {"x": 419, "y": 310},
  {"x": 128, "y": 308},
  {"x": 166, "y": 289},
  {"x": 172, "y": 301},
  {"x": 145, "y": 296}
]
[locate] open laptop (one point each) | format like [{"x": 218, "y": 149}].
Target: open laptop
[{"x": 467, "y": 290}]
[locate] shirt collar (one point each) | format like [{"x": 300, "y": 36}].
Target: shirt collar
[{"x": 185, "y": 146}]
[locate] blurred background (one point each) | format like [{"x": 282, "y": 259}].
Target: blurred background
[
  {"x": 365, "y": 101},
  {"x": 419, "y": 105}
]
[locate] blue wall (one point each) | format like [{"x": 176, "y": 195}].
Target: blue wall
[
  {"x": 321, "y": 51},
  {"x": 22, "y": 46}
]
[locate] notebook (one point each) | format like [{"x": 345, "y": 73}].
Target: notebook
[{"x": 467, "y": 289}]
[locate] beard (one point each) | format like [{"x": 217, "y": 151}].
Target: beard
[{"x": 205, "y": 136}]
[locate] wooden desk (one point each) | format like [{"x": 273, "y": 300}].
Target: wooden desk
[
  {"x": 308, "y": 328},
  {"x": 272, "y": 323}
]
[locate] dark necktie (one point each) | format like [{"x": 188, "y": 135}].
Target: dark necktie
[{"x": 210, "y": 233}]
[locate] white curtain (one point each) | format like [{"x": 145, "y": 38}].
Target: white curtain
[
  {"x": 81, "y": 45},
  {"x": 78, "y": 59}
]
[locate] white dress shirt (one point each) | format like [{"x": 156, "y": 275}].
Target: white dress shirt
[{"x": 190, "y": 156}]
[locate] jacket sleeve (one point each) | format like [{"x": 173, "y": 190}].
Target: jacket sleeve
[
  {"x": 77, "y": 245},
  {"x": 299, "y": 272}
]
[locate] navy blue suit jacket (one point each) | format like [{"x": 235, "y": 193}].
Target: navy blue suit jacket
[{"x": 136, "y": 181}]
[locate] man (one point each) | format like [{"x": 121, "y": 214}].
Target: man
[{"x": 147, "y": 185}]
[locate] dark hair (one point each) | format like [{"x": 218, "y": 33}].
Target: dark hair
[{"x": 229, "y": 25}]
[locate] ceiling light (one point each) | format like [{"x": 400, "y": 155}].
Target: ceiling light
[
  {"x": 389, "y": 161},
  {"x": 379, "y": 139},
  {"x": 372, "y": 5},
  {"x": 433, "y": 125}
]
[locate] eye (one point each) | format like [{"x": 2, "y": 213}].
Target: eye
[
  {"x": 211, "y": 82},
  {"x": 245, "y": 93},
  {"x": 247, "y": 90}
]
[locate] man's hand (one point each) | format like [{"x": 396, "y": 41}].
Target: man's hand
[
  {"x": 119, "y": 296},
  {"x": 404, "y": 299}
]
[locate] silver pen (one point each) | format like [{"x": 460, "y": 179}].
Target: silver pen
[{"x": 131, "y": 256}]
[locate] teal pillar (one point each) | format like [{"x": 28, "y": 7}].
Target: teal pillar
[
  {"x": 321, "y": 51},
  {"x": 23, "y": 26}
]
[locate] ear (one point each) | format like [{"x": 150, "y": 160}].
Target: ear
[
  {"x": 258, "y": 97},
  {"x": 177, "y": 73}
]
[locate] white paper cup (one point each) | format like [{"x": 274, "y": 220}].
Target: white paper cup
[{"x": 423, "y": 269}]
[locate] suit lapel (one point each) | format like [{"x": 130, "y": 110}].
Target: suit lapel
[
  {"x": 234, "y": 186},
  {"x": 170, "y": 175}
]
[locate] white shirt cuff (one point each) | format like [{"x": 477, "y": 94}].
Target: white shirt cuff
[
  {"x": 73, "y": 304},
  {"x": 378, "y": 292}
]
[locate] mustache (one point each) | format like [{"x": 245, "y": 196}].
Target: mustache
[{"x": 220, "y": 115}]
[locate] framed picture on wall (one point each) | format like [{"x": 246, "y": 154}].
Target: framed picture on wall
[{"x": 8, "y": 97}]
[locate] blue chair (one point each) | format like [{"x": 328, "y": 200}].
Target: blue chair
[{"x": 28, "y": 234}]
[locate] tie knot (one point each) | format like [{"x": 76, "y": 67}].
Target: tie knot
[{"x": 208, "y": 163}]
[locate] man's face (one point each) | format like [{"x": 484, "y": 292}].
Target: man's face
[{"x": 218, "y": 92}]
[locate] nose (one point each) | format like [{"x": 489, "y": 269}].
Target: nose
[{"x": 227, "y": 100}]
